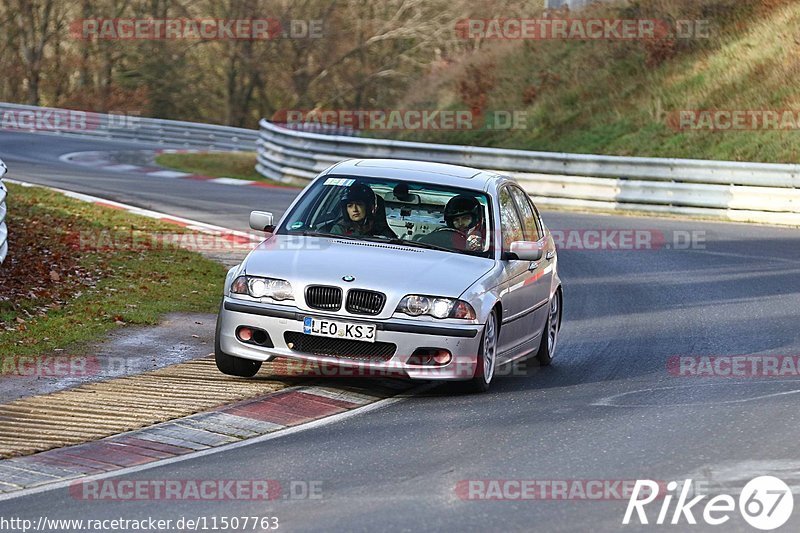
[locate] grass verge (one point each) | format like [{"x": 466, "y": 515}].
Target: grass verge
[
  {"x": 77, "y": 270},
  {"x": 237, "y": 165},
  {"x": 625, "y": 98}
]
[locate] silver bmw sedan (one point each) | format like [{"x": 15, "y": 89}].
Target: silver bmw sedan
[{"x": 424, "y": 270}]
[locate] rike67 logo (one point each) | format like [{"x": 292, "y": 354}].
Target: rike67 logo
[{"x": 766, "y": 503}]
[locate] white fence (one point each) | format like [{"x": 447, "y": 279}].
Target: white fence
[
  {"x": 3, "y": 209},
  {"x": 745, "y": 192},
  {"x": 123, "y": 127}
]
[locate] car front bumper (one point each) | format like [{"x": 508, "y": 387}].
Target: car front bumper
[{"x": 461, "y": 340}]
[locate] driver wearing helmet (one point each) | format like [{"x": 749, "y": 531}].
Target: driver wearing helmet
[
  {"x": 464, "y": 214},
  {"x": 359, "y": 210}
]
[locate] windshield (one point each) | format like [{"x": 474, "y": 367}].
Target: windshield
[{"x": 405, "y": 213}]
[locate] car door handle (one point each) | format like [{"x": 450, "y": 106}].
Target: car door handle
[
  {"x": 533, "y": 265},
  {"x": 551, "y": 254}
]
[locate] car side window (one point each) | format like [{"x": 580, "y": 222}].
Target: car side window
[
  {"x": 509, "y": 220},
  {"x": 529, "y": 225}
]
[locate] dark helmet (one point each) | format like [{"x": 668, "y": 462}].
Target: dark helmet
[
  {"x": 358, "y": 192},
  {"x": 462, "y": 205}
]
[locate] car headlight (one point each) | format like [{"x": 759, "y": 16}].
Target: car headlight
[
  {"x": 435, "y": 306},
  {"x": 276, "y": 289}
]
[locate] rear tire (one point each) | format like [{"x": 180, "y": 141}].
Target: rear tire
[
  {"x": 547, "y": 346},
  {"x": 230, "y": 365},
  {"x": 487, "y": 357}
]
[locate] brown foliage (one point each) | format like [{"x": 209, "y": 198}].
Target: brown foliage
[
  {"x": 366, "y": 56},
  {"x": 475, "y": 86},
  {"x": 529, "y": 94},
  {"x": 42, "y": 270},
  {"x": 660, "y": 51}
]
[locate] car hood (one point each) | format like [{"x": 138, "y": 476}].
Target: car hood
[{"x": 382, "y": 267}]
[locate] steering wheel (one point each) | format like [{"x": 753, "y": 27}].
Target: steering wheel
[
  {"x": 445, "y": 229},
  {"x": 447, "y": 237}
]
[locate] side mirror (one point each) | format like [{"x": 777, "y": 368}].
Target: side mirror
[
  {"x": 525, "y": 251},
  {"x": 261, "y": 221}
]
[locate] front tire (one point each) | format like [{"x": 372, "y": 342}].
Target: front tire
[
  {"x": 487, "y": 356},
  {"x": 230, "y": 365},
  {"x": 547, "y": 346}
]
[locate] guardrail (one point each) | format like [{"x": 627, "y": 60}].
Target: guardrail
[
  {"x": 744, "y": 192},
  {"x": 124, "y": 127},
  {"x": 3, "y": 210}
]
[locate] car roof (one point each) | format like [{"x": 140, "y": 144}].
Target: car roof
[{"x": 421, "y": 171}]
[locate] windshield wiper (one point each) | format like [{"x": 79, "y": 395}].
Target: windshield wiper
[
  {"x": 307, "y": 233},
  {"x": 378, "y": 238},
  {"x": 418, "y": 244}
]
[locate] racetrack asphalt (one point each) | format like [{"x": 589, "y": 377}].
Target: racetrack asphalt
[{"x": 608, "y": 409}]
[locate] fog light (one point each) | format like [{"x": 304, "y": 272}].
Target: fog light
[
  {"x": 251, "y": 335},
  {"x": 442, "y": 357},
  {"x": 430, "y": 357},
  {"x": 245, "y": 334}
]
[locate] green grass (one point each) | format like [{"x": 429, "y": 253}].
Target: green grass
[
  {"x": 237, "y": 165},
  {"x": 59, "y": 294},
  {"x": 614, "y": 97}
]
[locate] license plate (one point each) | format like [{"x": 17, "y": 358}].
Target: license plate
[{"x": 339, "y": 330}]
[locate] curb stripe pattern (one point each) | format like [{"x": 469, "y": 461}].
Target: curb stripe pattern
[
  {"x": 210, "y": 429},
  {"x": 102, "y": 161}
]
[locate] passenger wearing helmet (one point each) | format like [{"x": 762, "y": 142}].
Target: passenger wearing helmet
[
  {"x": 360, "y": 214},
  {"x": 464, "y": 218}
]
